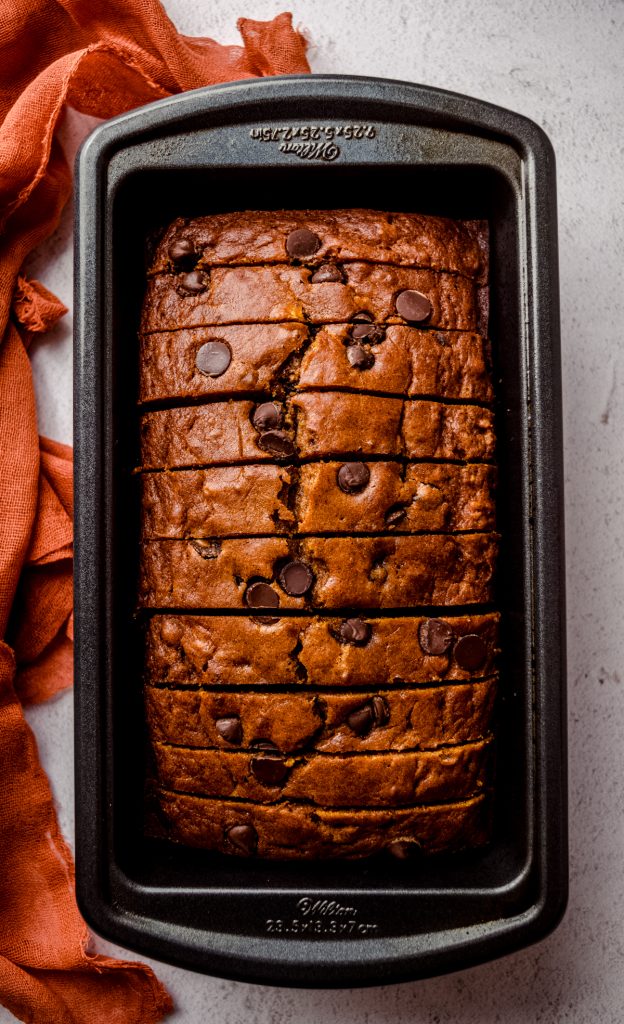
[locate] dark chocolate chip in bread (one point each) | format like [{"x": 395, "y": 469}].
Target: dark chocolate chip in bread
[
  {"x": 368, "y": 716},
  {"x": 261, "y": 595},
  {"x": 230, "y": 729},
  {"x": 213, "y": 358},
  {"x": 359, "y": 357},
  {"x": 267, "y": 416},
  {"x": 296, "y": 578},
  {"x": 353, "y": 477},
  {"x": 395, "y": 515},
  {"x": 276, "y": 443},
  {"x": 327, "y": 272},
  {"x": 381, "y": 712},
  {"x": 355, "y": 631},
  {"x": 413, "y": 306},
  {"x": 192, "y": 283},
  {"x": 361, "y": 720},
  {"x": 372, "y": 333},
  {"x": 182, "y": 253},
  {"x": 301, "y": 243},
  {"x": 242, "y": 839},
  {"x": 269, "y": 769},
  {"x": 470, "y": 652},
  {"x": 436, "y": 636}
]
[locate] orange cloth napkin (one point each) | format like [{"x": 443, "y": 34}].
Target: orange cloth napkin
[{"x": 103, "y": 57}]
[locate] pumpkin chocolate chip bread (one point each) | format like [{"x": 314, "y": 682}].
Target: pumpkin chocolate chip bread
[
  {"x": 275, "y": 359},
  {"x": 413, "y": 498},
  {"x": 314, "y": 425},
  {"x": 277, "y": 236},
  {"x": 318, "y": 572},
  {"x": 372, "y": 779},
  {"x": 319, "y": 485},
  {"x": 322, "y": 651},
  {"x": 403, "y": 718},
  {"x": 287, "y": 830},
  {"x": 276, "y": 294}
]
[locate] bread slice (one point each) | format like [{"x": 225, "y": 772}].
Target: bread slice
[
  {"x": 315, "y": 425},
  {"x": 344, "y": 572},
  {"x": 273, "y": 359},
  {"x": 287, "y": 830},
  {"x": 385, "y": 779},
  {"x": 261, "y": 236},
  {"x": 241, "y": 650},
  {"x": 274, "y": 294}
]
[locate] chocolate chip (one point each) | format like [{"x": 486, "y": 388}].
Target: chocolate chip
[
  {"x": 470, "y": 652},
  {"x": 395, "y": 515},
  {"x": 353, "y": 477},
  {"x": 243, "y": 838},
  {"x": 369, "y": 716},
  {"x": 182, "y": 252},
  {"x": 360, "y": 358},
  {"x": 269, "y": 769},
  {"x": 403, "y": 849},
  {"x": 372, "y": 333},
  {"x": 435, "y": 636},
  {"x": 277, "y": 443},
  {"x": 296, "y": 578},
  {"x": 363, "y": 317},
  {"x": 301, "y": 243},
  {"x": 213, "y": 358},
  {"x": 261, "y": 595},
  {"x": 267, "y": 416},
  {"x": 360, "y": 331},
  {"x": 264, "y": 745},
  {"x": 355, "y": 631},
  {"x": 206, "y": 548},
  {"x": 412, "y": 305},
  {"x": 264, "y": 620},
  {"x": 381, "y": 711},
  {"x": 230, "y": 729},
  {"x": 327, "y": 272},
  {"x": 192, "y": 283},
  {"x": 361, "y": 720}
]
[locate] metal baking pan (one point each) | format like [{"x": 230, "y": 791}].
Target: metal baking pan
[{"x": 294, "y": 142}]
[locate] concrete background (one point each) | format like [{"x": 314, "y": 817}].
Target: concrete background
[{"x": 559, "y": 62}]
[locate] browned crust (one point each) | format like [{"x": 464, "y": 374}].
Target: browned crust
[
  {"x": 230, "y": 500},
  {"x": 235, "y": 650},
  {"x": 319, "y": 424},
  {"x": 347, "y": 780},
  {"x": 272, "y": 500},
  {"x": 448, "y": 364},
  {"x": 259, "y": 236},
  {"x": 275, "y": 294},
  {"x": 266, "y": 358},
  {"x": 417, "y": 719},
  {"x": 400, "y": 571},
  {"x": 287, "y": 830},
  {"x": 434, "y": 496}
]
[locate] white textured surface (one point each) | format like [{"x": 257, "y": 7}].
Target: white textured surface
[{"x": 559, "y": 62}]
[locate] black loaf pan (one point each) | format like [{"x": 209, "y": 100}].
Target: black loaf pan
[{"x": 298, "y": 142}]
